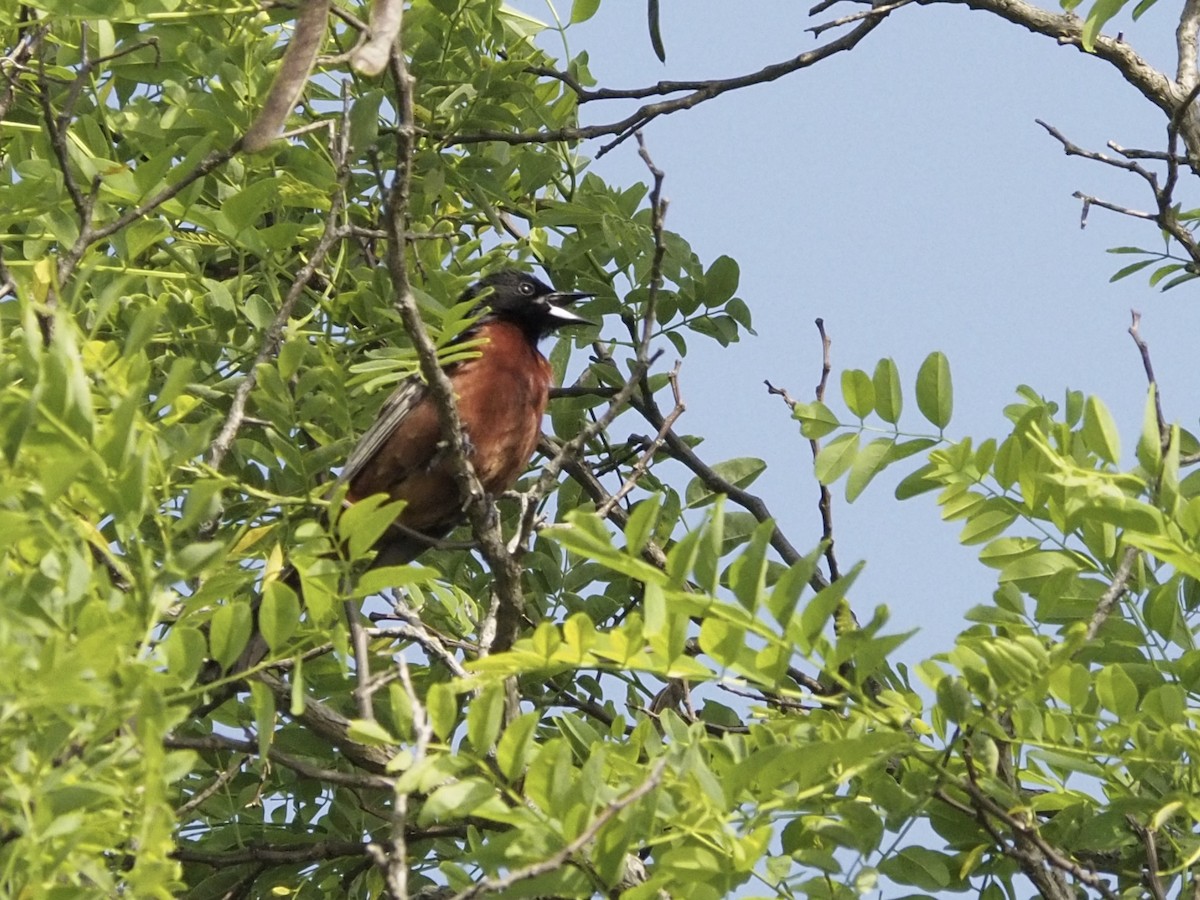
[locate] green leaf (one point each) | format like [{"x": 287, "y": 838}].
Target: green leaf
[
  {"x": 918, "y": 482},
  {"x": 1163, "y": 271},
  {"x": 279, "y": 614},
  {"x": 747, "y": 572},
  {"x": 821, "y": 608},
  {"x": 1141, "y": 8},
  {"x": 888, "y": 398},
  {"x": 582, "y": 10},
  {"x": 1098, "y": 15},
  {"x": 986, "y": 525},
  {"x": 364, "y": 120},
  {"x": 1007, "y": 468},
  {"x": 816, "y": 420},
  {"x": 721, "y": 281},
  {"x": 739, "y": 472},
  {"x": 922, "y": 868},
  {"x": 935, "y": 395},
  {"x": 1130, "y": 269},
  {"x": 441, "y": 705},
  {"x": 365, "y": 522},
  {"x": 456, "y": 800},
  {"x": 835, "y": 458},
  {"x": 859, "y": 392},
  {"x": 1165, "y": 705},
  {"x": 655, "y": 25},
  {"x": 229, "y": 632},
  {"x": 642, "y": 520},
  {"x": 371, "y": 733},
  {"x": 485, "y": 715},
  {"x": 872, "y": 460},
  {"x": 1116, "y": 691},
  {"x": 184, "y": 649},
  {"x": 1149, "y": 448},
  {"x": 515, "y": 744}
]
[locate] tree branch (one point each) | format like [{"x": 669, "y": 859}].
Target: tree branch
[
  {"x": 1067, "y": 29},
  {"x": 489, "y": 885},
  {"x": 278, "y": 757},
  {"x": 481, "y": 512},
  {"x": 700, "y": 93}
]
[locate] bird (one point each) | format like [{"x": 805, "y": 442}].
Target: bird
[{"x": 501, "y": 396}]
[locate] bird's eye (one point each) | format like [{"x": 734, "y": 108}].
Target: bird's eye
[{"x": 526, "y": 288}]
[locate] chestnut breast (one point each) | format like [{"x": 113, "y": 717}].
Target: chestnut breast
[{"x": 501, "y": 397}]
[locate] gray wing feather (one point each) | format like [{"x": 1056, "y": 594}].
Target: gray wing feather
[{"x": 402, "y": 400}]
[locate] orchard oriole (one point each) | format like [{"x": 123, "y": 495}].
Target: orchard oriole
[{"x": 501, "y": 396}]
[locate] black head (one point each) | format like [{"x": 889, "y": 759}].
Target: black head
[{"x": 517, "y": 297}]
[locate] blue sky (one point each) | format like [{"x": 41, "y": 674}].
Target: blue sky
[{"x": 903, "y": 192}]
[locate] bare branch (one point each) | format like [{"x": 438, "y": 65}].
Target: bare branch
[
  {"x": 395, "y": 863},
  {"x": 279, "y": 758},
  {"x": 1186, "y": 75},
  {"x": 700, "y": 93},
  {"x": 331, "y": 725},
  {"x": 825, "y": 504},
  {"x": 371, "y": 57},
  {"x": 287, "y": 854},
  {"x": 643, "y": 464},
  {"x": 1151, "y": 868},
  {"x": 363, "y": 688},
  {"x": 753, "y": 504},
  {"x": 1068, "y": 29},
  {"x": 1072, "y": 149},
  {"x": 507, "y": 597},
  {"x": 880, "y": 10},
  {"x": 1028, "y": 832},
  {"x": 1090, "y": 201},
  {"x": 298, "y": 61},
  {"x": 1144, "y": 351},
  {"x": 1114, "y": 592}
]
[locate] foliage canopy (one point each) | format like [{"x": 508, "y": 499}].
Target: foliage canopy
[{"x": 191, "y": 336}]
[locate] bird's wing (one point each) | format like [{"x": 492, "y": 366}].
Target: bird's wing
[{"x": 407, "y": 395}]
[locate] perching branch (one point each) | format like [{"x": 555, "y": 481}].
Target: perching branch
[{"x": 480, "y": 510}]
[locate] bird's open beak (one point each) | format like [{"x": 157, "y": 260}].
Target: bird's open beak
[{"x": 558, "y": 307}]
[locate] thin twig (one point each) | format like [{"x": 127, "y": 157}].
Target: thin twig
[
  {"x": 223, "y": 778},
  {"x": 1164, "y": 430},
  {"x": 704, "y": 91},
  {"x": 825, "y": 503},
  {"x": 396, "y": 860},
  {"x": 277, "y": 757},
  {"x": 297, "y": 65},
  {"x": 642, "y": 466},
  {"x": 415, "y": 630},
  {"x": 556, "y": 860},
  {"x": 643, "y": 360},
  {"x": 1113, "y": 593},
  {"x": 1151, "y": 868},
  {"x": 880, "y": 10},
  {"x": 274, "y": 336}
]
